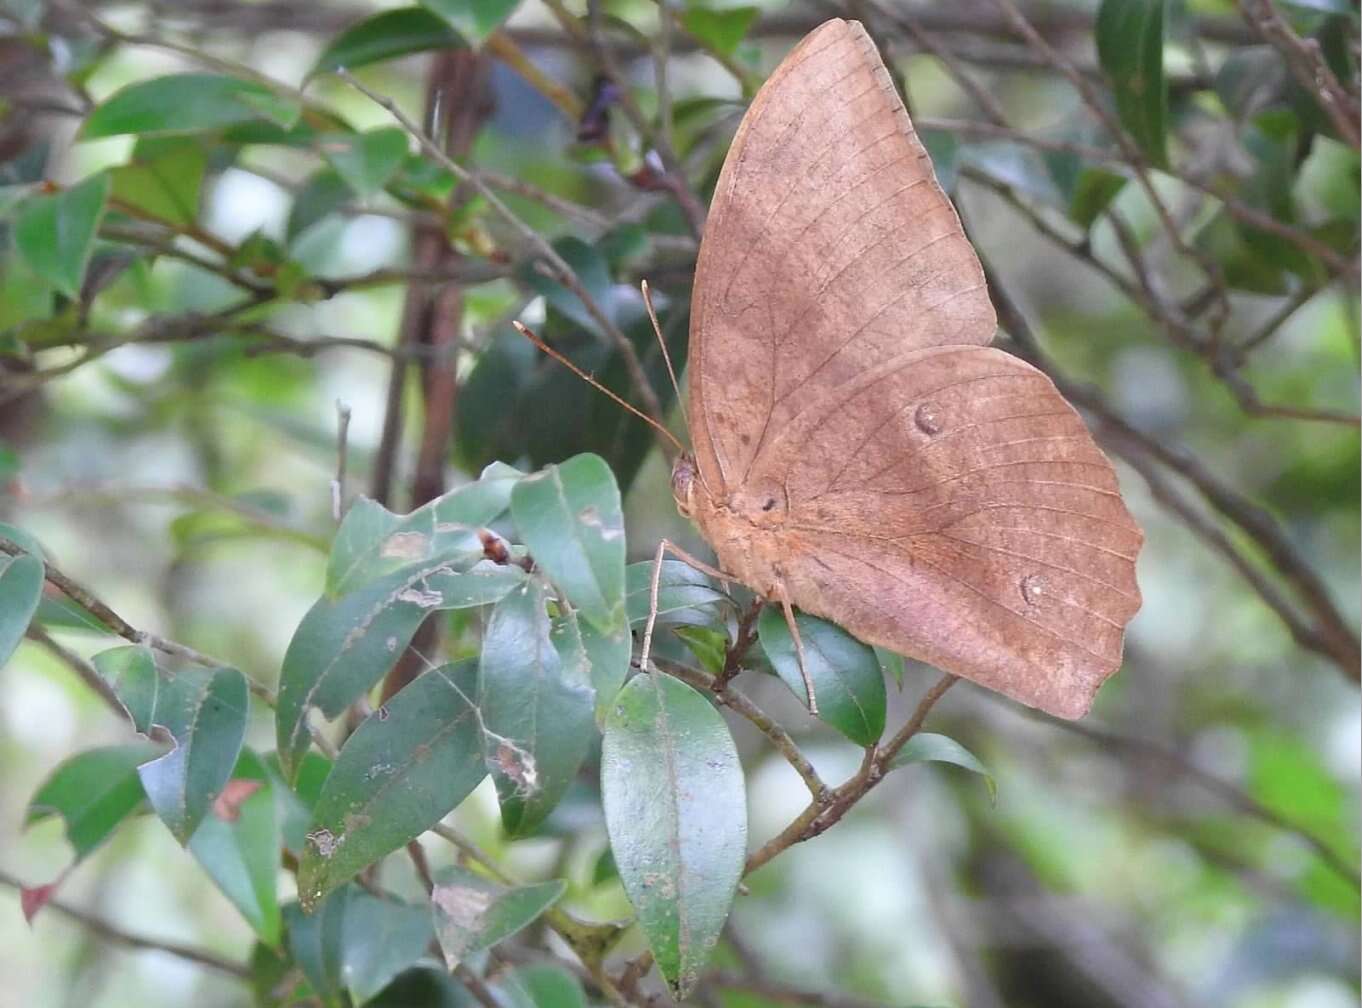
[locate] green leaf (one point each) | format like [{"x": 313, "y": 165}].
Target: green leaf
[
  {"x": 55, "y": 233},
  {"x": 606, "y": 653},
  {"x": 425, "y": 985},
  {"x": 187, "y": 103},
  {"x": 472, "y": 913},
  {"x": 846, "y": 674},
  {"x": 1087, "y": 189},
  {"x": 345, "y": 645},
  {"x": 604, "y": 869},
  {"x": 298, "y": 801},
  {"x": 1130, "y": 50},
  {"x": 366, "y": 161},
  {"x": 203, "y": 710},
  {"x": 372, "y": 541},
  {"x": 538, "y": 710},
  {"x": 926, "y": 747},
  {"x": 710, "y": 646},
  {"x": 891, "y": 664},
  {"x": 944, "y": 149},
  {"x": 316, "y": 942},
  {"x": 569, "y": 516},
  {"x": 323, "y": 194},
  {"x": 540, "y": 985},
  {"x": 721, "y": 30},
  {"x": 380, "y": 938},
  {"x": 474, "y": 19},
  {"x": 92, "y": 792},
  {"x": 1093, "y": 193},
  {"x": 163, "y": 179},
  {"x": 676, "y": 812},
  {"x": 403, "y": 770},
  {"x": 684, "y": 594},
  {"x": 238, "y": 844},
  {"x": 386, "y": 36},
  {"x": 1245, "y": 264},
  {"x": 21, "y": 589}
]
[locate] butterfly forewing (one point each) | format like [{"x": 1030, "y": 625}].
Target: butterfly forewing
[{"x": 829, "y": 245}]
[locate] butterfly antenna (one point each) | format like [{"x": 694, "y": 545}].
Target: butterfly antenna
[
  {"x": 525, "y": 331},
  {"x": 662, "y": 343}
]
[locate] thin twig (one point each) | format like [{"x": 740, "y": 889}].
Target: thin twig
[
  {"x": 818, "y": 817},
  {"x": 741, "y": 705},
  {"x": 118, "y": 936},
  {"x": 561, "y": 271},
  {"x": 1308, "y": 65},
  {"x": 342, "y": 456},
  {"x": 82, "y": 668},
  {"x": 1232, "y": 795},
  {"x": 87, "y": 600}
]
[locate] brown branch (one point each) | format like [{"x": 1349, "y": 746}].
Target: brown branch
[
  {"x": 819, "y": 816},
  {"x": 741, "y": 705},
  {"x": 87, "y": 600},
  {"x": 673, "y": 175},
  {"x": 82, "y": 668},
  {"x": 116, "y": 935},
  {"x": 1222, "y": 789},
  {"x": 1308, "y": 65},
  {"x": 1131, "y": 151}
]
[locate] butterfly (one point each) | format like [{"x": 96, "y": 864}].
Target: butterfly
[{"x": 860, "y": 452}]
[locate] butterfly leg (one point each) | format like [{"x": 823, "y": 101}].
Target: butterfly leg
[
  {"x": 788, "y": 610},
  {"x": 665, "y": 546}
]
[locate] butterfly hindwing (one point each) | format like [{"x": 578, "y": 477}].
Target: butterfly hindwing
[{"x": 951, "y": 505}]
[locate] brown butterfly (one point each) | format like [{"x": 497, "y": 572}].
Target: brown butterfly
[{"x": 860, "y": 452}]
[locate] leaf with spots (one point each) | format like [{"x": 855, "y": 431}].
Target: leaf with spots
[
  {"x": 373, "y": 542},
  {"x": 202, "y": 711},
  {"x": 537, "y": 707},
  {"x": 569, "y": 516},
  {"x": 473, "y": 913},
  {"x": 676, "y": 812},
  {"x": 846, "y": 674},
  {"x": 345, "y": 645},
  {"x": 402, "y": 771}
]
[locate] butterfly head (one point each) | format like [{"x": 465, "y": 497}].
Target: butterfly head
[{"x": 685, "y": 477}]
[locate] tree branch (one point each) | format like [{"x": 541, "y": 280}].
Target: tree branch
[{"x": 118, "y": 936}]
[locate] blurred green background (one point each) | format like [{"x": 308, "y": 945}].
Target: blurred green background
[{"x": 1150, "y": 855}]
